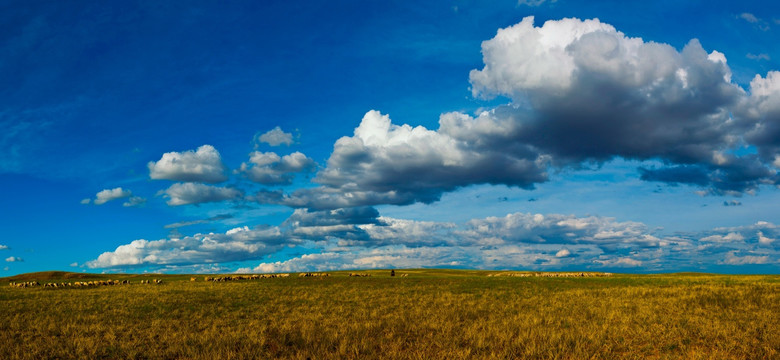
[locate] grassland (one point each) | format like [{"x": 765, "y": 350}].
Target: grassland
[{"x": 442, "y": 314}]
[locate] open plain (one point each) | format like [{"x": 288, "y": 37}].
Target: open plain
[{"x": 417, "y": 314}]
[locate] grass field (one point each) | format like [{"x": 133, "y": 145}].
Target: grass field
[{"x": 441, "y": 314}]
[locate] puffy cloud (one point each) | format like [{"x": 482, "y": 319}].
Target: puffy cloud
[
  {"x": 269, "y": 168},
  {"x": 620, "y": 262},
  {"x": 764, "y": 240},
  {"x": 762, "y": 114},
  {"x": 384, "y": 163},
  {"x": 730, "y": 237},
  {"x": 733, "y": 259},
  {"x": 202, "y": 165},
  {"x": 410, "y": 233},
  {"x": 583, "y": 91},
  {"x": 13, "y": 259},
  {"x": 234, "y": 245},
  {"x": 606, "y": 233},
  {"x": 598, "y": 93},
  {"x": 276, "y": 137},
  {"x": 563, "y": 253},
  {"x": 3, "y": 247},
  {"x": 195, "y": 193},
  {"x": 714, "y": 244},
  {"x": 107, "y": 195}
]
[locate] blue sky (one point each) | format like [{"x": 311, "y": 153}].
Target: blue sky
[{"x": 323, "y": 135}]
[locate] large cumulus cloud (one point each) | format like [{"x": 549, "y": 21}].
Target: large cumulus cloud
[
  {"x": 762, "y": 114},
  {"x": 385, "y": 163},
  {"x": 592, "y": 94}
]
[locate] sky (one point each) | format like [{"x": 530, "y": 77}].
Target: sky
[{"x": 277, "y": 136}]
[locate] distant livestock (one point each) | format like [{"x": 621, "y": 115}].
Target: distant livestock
[
  {"x": 58, "y": 285},
  {"x": 243, "y": 277},
  {"x": 360, "y": 274},
  {"x": 308, "y": 274},
  {"x": 552, "y": 274},
  {"x": 95, "y": 283},
  {"x": 25, "y": 284}
]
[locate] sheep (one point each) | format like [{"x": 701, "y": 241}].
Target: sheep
[{"x": 192, "y": 279}]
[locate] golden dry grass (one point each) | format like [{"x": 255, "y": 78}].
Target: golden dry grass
[{"x": 430, "y": 314}]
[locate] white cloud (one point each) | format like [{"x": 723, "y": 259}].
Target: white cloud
[
  {"x": 276, "y": 137},
  {"x": 758, "y": 57},
  {"x": 3, "y": 247},
  {"x": 134, "y": 201},
  {"x": 13, "y": 259},
  {"x": 384, "y": 163},
  {"x": 764, "y": 240},
  {"x": 749, "y": 17},
  {"x": 583, "y": 91},
  {"x": 757, "y": 22},
  {"x": 563, "y": 253},
  {"x": 620, "y": 262},
  {"x": 595, "y": 91},
  {"x": 730, "y": 237},
  {"x": 269, "y": 168},
  {"x": 86, "y": 201},
  {"x": 202, "y": 165},
  {"x": 733, "y": 259},
  {"x": 605, "y": 233},
  {"x": 107, "y": 195},
  {"x": 234, "y": 245},
  {"x": 524, "y": 57},
  {"x": 195, "y": 193}
]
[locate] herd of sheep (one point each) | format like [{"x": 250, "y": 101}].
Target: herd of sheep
[
  {"x": 552, "y": 274},
  {"x": 94, "y": 283},
  {"x": 73, "y": 284},
  {"x": 241, "y": 277}
]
